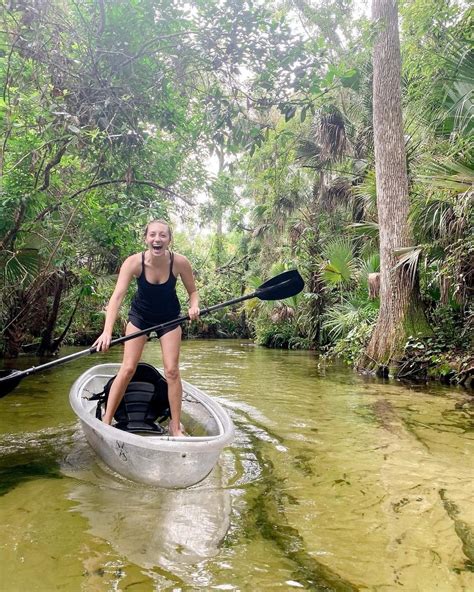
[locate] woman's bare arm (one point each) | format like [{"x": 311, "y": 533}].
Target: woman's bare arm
[
  {"x": 186, "y": 273},
  {"x": 127, "y": 273}
]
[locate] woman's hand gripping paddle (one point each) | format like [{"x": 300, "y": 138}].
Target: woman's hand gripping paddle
[{"x": 282, "y": 286}]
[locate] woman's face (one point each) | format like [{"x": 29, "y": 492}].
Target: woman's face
[{"x": 157, "y": 238}]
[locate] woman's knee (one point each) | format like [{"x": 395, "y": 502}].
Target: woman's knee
[
  {"x": 127, "y": 370},
  {"x": 172, "y": 373}
]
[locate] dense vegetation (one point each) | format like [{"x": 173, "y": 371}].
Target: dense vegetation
[{"x": 251, "y": 126}]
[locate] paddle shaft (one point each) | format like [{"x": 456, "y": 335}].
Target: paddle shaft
[
  {"x": 124, "y": 338},
  {"x": 279, "y": 287}
]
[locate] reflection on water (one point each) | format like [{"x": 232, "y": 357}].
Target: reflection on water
[
  {"x": 149, "y": 526},
  {"x": 334, "y": 482}
]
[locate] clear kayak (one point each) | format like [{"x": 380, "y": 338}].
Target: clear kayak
[{"x": 160, "y": 460}]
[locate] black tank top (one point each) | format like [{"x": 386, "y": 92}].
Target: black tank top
[{"x": 156, "y": 303}]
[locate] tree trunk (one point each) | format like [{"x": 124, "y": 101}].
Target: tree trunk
[
  {"x": 58, "y": 341},
  {"x": 316, "y": 287},
  {"x": 14, "y": 328},
  {"x": 218, "y": 212},
  {"x": 46, "y": 345},
  {"x": 400, "y": 310},
  {"x": 374, "y": 285}
]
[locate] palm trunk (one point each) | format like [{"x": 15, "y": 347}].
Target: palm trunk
[
  {"x": 318, "y": 302},
  {"x": 400, "y": 310}
]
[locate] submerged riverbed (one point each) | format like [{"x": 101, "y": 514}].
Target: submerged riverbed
[{"x": 334, "y": 482}]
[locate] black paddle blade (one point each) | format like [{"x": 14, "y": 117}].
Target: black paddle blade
[
  {"x": 9, "y": 380},
  {"x": 282, "y": 286}
]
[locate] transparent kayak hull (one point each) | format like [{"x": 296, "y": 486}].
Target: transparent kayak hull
[{"x": 160, "y": 460}]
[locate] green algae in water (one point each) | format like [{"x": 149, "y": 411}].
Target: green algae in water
[
  {"x": 14, "y": 474},
  {"x": 266, "y": 517},
  {"x": 463, "y": 530}
]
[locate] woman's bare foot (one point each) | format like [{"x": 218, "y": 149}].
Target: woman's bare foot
[{"x": 176, "y": 433}]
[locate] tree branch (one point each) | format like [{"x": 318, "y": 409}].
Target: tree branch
[
  {"x": 52, "y": 163},
  {"x": 10, "y": 236},
  {"x": 152, "y": 184},
  {"x": 101, "y": 27},
  {"x": 147, "y": 44}
]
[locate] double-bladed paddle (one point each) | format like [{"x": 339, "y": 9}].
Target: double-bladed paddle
[{"x": 282, "y": 286}]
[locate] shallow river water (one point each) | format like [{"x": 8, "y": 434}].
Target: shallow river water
[{"x": 334, "y": 483}]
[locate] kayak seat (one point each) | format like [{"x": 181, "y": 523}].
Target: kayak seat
[
  {"x": 144, "y": 405},
  {"x": 135, "y": 414}
]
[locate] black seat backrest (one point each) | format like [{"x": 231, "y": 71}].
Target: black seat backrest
[{"x": 145, "y": 401}]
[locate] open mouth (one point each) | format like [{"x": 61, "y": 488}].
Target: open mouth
[{"x": 157, "y": 248}]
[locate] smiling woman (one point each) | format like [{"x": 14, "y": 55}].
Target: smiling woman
[{"x": 155, "y": 302}]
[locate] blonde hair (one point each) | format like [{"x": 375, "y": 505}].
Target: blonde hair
[{"x": 159, "y": 222}]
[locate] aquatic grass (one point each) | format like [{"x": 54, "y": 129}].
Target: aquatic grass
[
  {"x": 36, "y": 457},
  {"x": 461, "y": 528},
  {"x": 302, "y": 463},
  {"x": 12, "y": 475},
  {"x": 266, "y": 517}
]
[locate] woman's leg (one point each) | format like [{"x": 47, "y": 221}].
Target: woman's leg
[
  {"x": 170, "y": 345},
  {"x": 131, "y": 356}
]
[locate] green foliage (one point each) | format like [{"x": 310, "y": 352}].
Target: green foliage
[
  {"x": 19, "y": 267},
  {"x": 427, "y": 359},
  {"x": 447, "y": 321},
  {"x": 109, "y": 117},
  {"x": 281, "y": 335},
  {"x": 340, "y": 266},
  {"x": 345, "y": 316},
  {"x": 349, "y": 347},
  {"x": 368, "y": 264}
]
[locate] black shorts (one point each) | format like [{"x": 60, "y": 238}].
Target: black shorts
[{"x": 142, "y": 323}]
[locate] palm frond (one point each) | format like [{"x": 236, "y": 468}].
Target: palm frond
[
  {"x": 105, "y": 283},
  {"x": 341, "y": 318},
  {"x": 369, "y": 264},
  {"x": 443, "y": 216},
  {"x": 367, "y": 228},
  {"x": 460, "y": 115},
  {"x": 330, "y": 127},
  {"x": 409, "y": 258},
  {"x": 339, "y": 263},
  {"x": 367, "y": 192},
  {"x": 260, "y": 212},
  {"x": 336, "y": 193},
  {"x": 458, "y": 81},
  {"x": 308, "y": 153},
  {"x": 254, "y": 281},
  {"x": 448, "y": 174},
  {"x": 21, "y": 266}
]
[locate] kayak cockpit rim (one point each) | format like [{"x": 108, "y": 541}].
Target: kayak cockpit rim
[
  {"x": 158, "y": 460},
  {"x": 85, "y": 409}
]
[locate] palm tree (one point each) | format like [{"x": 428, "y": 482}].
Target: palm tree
[{"x": 400, "y": 311}]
